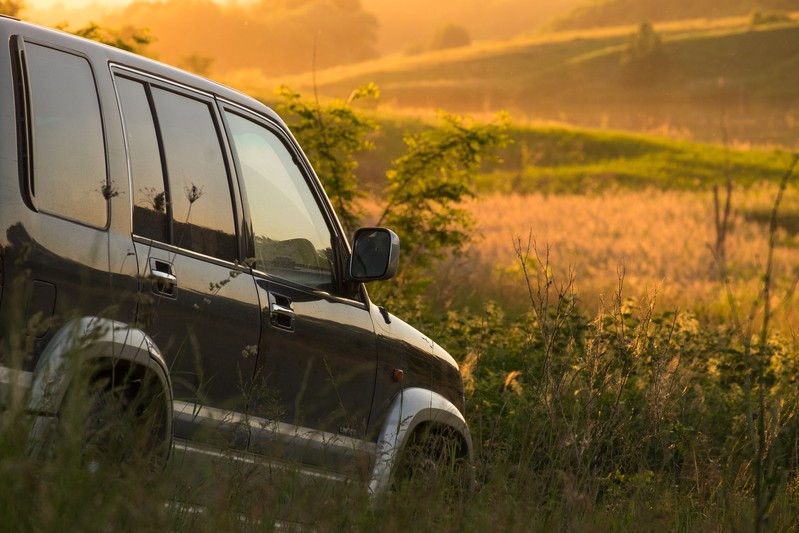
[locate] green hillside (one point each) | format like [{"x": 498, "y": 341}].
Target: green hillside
[
  {"x": 708, "y": 83},
  {"x": 557, "y": 159},
  {"x": 605, "y": 13},
  {"x": 565, "y": 160}
]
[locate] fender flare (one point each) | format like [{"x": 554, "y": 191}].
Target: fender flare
[
  {"x": 81, "y": 340},
  {"x": 410, "y": 408}
]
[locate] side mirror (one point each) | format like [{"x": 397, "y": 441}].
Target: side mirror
[{"x": 375, "y": 254}]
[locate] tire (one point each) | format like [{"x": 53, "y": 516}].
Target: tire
[
  {"x": 435, "y": 458},
  {"x": 123, "y": 425},
  {"x": 106, "y": 438}
]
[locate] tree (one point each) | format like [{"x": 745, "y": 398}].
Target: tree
[
  {"x": 11, "y": 8},
  {"x": 276, "y": 36},
  {"x": 331, "y": 136},
  {"x": 426, "y": 185},
  {"x": 450, "y": 36},
  {"x": 644, "y": 60},
  {"x": 128, "y": 38},
  {"x": 198, "y": 64},
  {"x": 763, "y": 18},
  {"x": 426, "y": 189}
]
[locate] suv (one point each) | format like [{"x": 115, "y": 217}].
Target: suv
[{"x": 167, "y": 237}]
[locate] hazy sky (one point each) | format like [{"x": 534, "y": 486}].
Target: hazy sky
[
  {"x": 77, "y": 4},
  {"x": 398, "y": 24},
  {"x": 42, "y": 4}
]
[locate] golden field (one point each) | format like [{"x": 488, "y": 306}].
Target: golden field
[{"x": 661, "y": 239}]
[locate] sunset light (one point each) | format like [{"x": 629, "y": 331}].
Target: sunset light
[{"x": 456, "y": 265}]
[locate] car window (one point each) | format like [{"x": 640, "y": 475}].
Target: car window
[
  {"x": 200, "y": 195},
  {"x": 149, "y": 192},
  {"x": 292, "y": 238},
  {"x": 193, "y": 207},
  {"x": 68, "y": 147}
]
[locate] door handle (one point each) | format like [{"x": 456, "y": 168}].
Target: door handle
[
  {"x": 281, "y": 315},
  {"x": 164, "y": 281}
]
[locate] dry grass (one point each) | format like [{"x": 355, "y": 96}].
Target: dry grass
[{"x": 661, "y": 238}]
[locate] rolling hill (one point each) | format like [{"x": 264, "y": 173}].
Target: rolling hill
[
  {"x": 715, "y": 81},
  {"x": 605, "y": 13}
]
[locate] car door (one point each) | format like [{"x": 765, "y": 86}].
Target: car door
[
  {"x": 317, "y": 358},
  {"x": 197, "y": 302}
]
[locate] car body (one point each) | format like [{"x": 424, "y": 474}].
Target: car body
[{"x": 160, "y": 225}]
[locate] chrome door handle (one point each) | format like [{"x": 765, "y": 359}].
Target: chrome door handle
[
  {"x": 164, "y": 281},
  {"x": 282, "y": 316},
  {"x": 164, "y": 277}
]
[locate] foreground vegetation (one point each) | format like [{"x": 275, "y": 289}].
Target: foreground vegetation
[{"x": 603, "y": 420}]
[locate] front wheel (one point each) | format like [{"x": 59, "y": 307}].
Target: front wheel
[{"x": 435, "y": 458}]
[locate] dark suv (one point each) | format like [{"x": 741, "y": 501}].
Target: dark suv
[{"x": 168, "y": 236}]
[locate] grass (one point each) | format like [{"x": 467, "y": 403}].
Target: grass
[
  {"x": 598, "y": 412},
  {"x": 564, "y": 160},
  {"x": 661, "y": 238},
  {"x": 225, "y": 496}
]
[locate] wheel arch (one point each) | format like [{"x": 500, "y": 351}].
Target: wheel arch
[
  {"x": 413, "y": 410},
  {"x": 93, "y": 340}
]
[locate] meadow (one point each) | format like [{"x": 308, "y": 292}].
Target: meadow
[
  {"x": 605, "y": 200},
  {"x": 617, "y": 377},
  {"x": 619, "y": 346},
  {"x": 662, "y": 240}
]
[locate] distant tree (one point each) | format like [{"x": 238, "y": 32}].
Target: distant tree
[
  {"x": 11, "y": 7},
  {"x": 276, "y": 36},
  {"x": 450, "y": 36},
  {"x": 643, "y": 44},
  {"x": 199, "y": 64},
  {"x": 128, "y": 38},
  {"x": 644, "y": 60}
]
